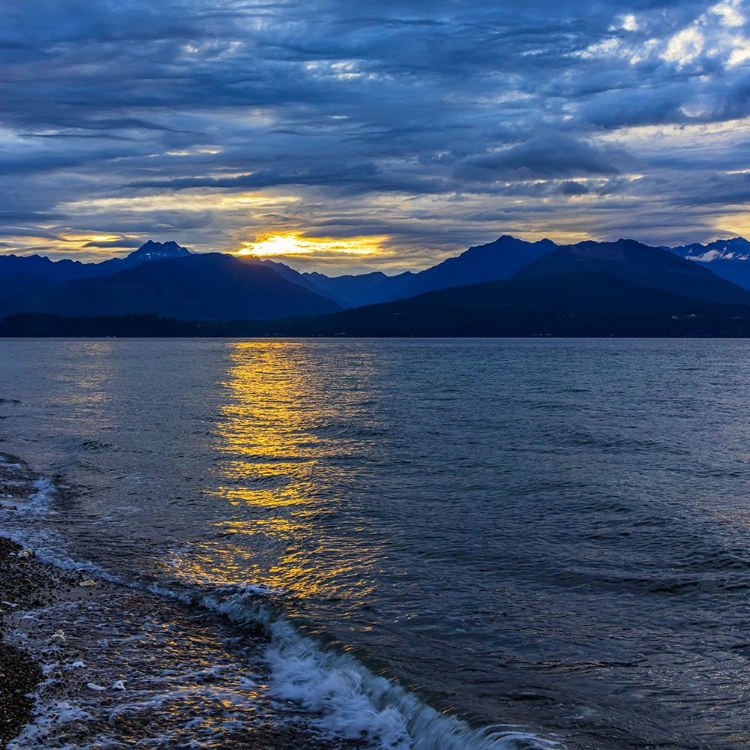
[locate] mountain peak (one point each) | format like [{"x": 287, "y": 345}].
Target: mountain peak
[
  {"x": 736, "y": 248},
  {"x": 154, "y": 250},
  {"x": 645, "y": 266},
  {"x": 509, "y": 239}
]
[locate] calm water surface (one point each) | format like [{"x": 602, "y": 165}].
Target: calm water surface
[{"x": 549, "y": 533}]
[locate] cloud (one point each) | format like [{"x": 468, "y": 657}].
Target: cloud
[
  {"x": 118, "y": 244},
  {"x": 552, "y": 154},
  {"x": 438, "y": 125},
  {"x": 573, "y": 188}
]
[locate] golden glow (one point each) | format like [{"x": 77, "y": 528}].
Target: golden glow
[
  {"x": 273, "y": 434},
  {"x": 733, "y": 224},
  {"x": 187, "y": 200},
  {"x": 82, "y": 238},
  {"x": 293, "y": 243}
]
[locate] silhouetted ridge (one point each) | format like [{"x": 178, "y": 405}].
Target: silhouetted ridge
[
  {"x": 494, "y": 261},
  {"x": 67, "y": 270},
  {"x": 167, "y": 280},
  {"x": 194, "y": 287},
  {"x": 158, "y": 251},
  {"x": 640, "y": 264},
  {"x": 589, "y": 303},
  {"x": 729, "y": 259},
  {"x": 362, "y": 289},
  {"x": 583, "y": 304}
]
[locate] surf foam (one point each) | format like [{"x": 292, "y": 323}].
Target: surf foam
[
  {"x": 347, "y": 700},
  {"x": 340, "y": 696}
]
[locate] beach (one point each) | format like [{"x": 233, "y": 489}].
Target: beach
[
  {"x": 19, "y": 674},
  {"x": 70, "y": 693},
  {"x": 89, "y": 663}
]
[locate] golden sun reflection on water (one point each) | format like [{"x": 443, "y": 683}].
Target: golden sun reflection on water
[{"x": 276, "y": 478}]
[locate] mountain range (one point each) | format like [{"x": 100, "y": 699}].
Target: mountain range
[
  {"x": 65, "y": 270},
  {"x": 507, "y": 287},
  {"x": 165, "y": 279},
  {"x": 729, "y": 259},
  {"x": 495, "y": 261},
  {"x": 590, "y": 303}
]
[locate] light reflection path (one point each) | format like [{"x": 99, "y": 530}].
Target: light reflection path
[
  {"x": 289, "y": 443},
  {"x": 542, "y": 532}
]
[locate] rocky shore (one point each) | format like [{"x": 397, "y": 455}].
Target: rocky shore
[
  {"x": 65, "y": 681},
  {"x": 19, "y": 674},
  {"x": 88, "y": 663}
]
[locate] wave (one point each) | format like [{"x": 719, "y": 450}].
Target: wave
[
  {"x": 339, "y": 695},
  {"x": 349, "y": 701}
]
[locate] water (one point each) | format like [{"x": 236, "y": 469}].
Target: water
[{"x": 539, "y": 539}]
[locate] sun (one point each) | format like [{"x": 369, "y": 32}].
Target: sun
[{"x": 293, "y": 243}]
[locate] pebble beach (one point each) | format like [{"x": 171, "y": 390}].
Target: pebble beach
[{"x": 72, "y": 675}]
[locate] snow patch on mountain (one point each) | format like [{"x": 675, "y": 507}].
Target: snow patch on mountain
[{"x": 736, "y": 249}]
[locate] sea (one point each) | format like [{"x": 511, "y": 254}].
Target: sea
[{"x": 443, "y": 544}]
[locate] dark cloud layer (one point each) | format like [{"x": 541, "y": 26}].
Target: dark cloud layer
[{"x": 426, "y": 126}]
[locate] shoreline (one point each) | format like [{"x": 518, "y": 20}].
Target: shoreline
[
  {"x": 62, "y": 687},
  {"x": 20, "y": 675},
  {"x": 86, "y": 662}
]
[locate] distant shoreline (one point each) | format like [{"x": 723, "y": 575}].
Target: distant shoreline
[{"x": 149, "y": 326}]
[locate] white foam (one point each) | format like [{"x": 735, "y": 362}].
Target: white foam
[
  {"x": 149, "y": 681},
  {"x": 341, "y": 696},
  {"x": 48, "y": 549},
  {"x": 38, "y": 501},
  {"x": 55, "y": 713},
  {"x": 45, "y": 490},
  {"x": 346, "y": 700},
  {"x": 354, "y": 703}
]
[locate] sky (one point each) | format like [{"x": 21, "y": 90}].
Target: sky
[{"x": 341, "y": 135}]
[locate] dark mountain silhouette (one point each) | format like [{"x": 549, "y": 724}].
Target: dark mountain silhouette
[
  {"x": 590, "y": 303},
  {"x": 156, "y": 251},
  {"x": 548, "y": 288},
  {"x": 295, "y": 277},
  {"x": 640, "y": 264},
  {"x": 194, "y": 287},
  {"x": 17, "y": 291},
  {"x": 507, "y": 256},
  {"x": 495, "y": 261},
  {"x": 729, "y": 259},
  {"x": 12, "y": 266},
  {"x": 37, "y": 266},
  {"x": 363, "y": 289}
]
